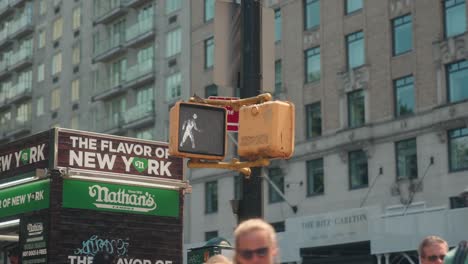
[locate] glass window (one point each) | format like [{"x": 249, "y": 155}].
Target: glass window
[
  {"x": 209, "y": 53},
  {"x": 238, "y": 187},
  {"x": 40, "y": 106},
  {"x": 5, "y": 118},
  {"x": 209, "y": 10},
  {"x": 173, "y": 42},
  {"x": 210, "y": 234},
  {"x": 172, "y": 6},
  {"x": 114, "y": 109},
  {"x": 404, "y": 96},
  {"x": 42, "y": 7},
  {"x": 458, "y": 149},
  {"x": 23, "y": 112},
  {"x": 40, "y": 72},
  {"x": 407, "y": 162},
  {"x": 76, "y": 18},
  {"x": 278, "y": 77},
  {"x": 76, "y": 55},
  {"x": 41, "y": 38},
  {"x": 358, "y": 177},
  {"x": 402, "y": 34},
  {"x": 211, "y": 197},
  {"x": 353, "y": 6},
  {"x": 314, "y": 120},
  {"x": 277, "y": 177},
  {"x": 145, "y": 95},
  {"x": 356, "y": 109},
  {"x": 75, "y": 91},
  {"x": 355, "y": 49},
  {"x": 315, "y": 181},
  {"x": 173, "y": 86},
  {"x": 311, "y": 14},
  {"x": 57, "y": 63},
  {"x": 312, "y": 64},
  {"x": 211, "y": 90},
  {"x": 278, "y": 24},
  {"x": 118, "y": 72},
  {"x": 55, "y": 95},
  {"x": 455, "y": 17},
  {"x": 457, "y": 81},
  {"x": 146, "y": 133},
  {"x": 58, "y": 29}
]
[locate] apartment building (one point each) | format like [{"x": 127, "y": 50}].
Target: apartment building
[{"x": 381, "y": 129}]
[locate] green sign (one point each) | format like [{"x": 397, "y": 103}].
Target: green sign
[
  {"x": 24, "y": 198},
  {"x": 120, "y": 198}
]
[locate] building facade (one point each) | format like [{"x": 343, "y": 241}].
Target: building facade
[{"x": 381, "y": 128}]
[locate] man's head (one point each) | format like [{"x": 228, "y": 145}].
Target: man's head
[
  {"x": 255, "y": 243},
  {"x": 194, "y": 116},
  {"x": 432, "y": 250}
]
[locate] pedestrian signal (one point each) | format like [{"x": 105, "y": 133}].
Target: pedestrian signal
[
  {"x": 197, "y": 131},
  {"x": 266, "y": 130}
]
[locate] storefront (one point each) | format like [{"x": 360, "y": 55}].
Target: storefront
[{"x": 76, "y": 197}]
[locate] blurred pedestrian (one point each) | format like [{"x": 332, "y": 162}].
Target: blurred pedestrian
[
  {"x": 255, "y": 243},
  {"x": 458, "y": 255},
  {"x": 218, "y": 259},
  {"x": 432, "y": 250},
  {"x": 13, "y": 255}
]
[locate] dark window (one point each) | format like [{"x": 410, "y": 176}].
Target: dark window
[
  {"x": 407, "y": 162},
  {"x": 404, "y": 96},
  {"x": 455, "y": 17},
  {"x": 277, "y": 24},
  {"x": 311, "y": 14},
  {"x": 458, "y": 149},
  {"x": 210, "y": 234},
  {"x": 277, "y": 177},
  {"x": 211, "y": 90},
  {"x": 314, "y": 120},
  {"x": 353, "y": 6},
  {"x": 402, "y": 34},
  {"x": 209, "y": 53},
  {"x": 279, "y": 226},
  {"x": 211, "y": 197},
  {"x": 356, "y": 109},
  {"x": 355, "y": 49},
  {"x": 209, "y": 10},
  {"x": 457, "y": 81},
  {"x": 358, "y": 177},
  {"x": 315, "y": 181},
  {"x": 278, "y": 77},
  {"x": 312, "y": 64}
]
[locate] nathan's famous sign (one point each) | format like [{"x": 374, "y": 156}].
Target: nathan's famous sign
[{"x": 64, "y": 148}]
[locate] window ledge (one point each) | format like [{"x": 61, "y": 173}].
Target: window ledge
[
  {"x": 402, "y": 54},
  {"x": 311, "y": 195},
  {"x": 312, "y": 29}
]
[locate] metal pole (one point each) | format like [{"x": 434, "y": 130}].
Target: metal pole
[{"x": 251, "y": 203}]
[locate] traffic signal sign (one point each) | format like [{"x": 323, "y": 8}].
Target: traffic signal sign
[
  {"x": 197, "y": 131},
  {"x": 266, "y": 130}
]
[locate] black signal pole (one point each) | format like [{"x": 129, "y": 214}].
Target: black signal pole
[{"x": 251, "y": 203}]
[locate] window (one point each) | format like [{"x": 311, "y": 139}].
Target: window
[
  {"x": 402, "y": 34},
  {"x": 210, "y": 234},
  {"x": 55, "y": 95},
  {"x": 277, "y": 24},
  {"x": 311, "y": 14},
  {"x": 146, "y": 133},
  {"x": 173, "y": 42},
  {"x": 277, "y": 178},
  {"x": 145, "y": 54},
  {"x": 40, "y": 106},
  {"x": 404, "y": 96},
  {"x": 355, "y": 49},
  {"x": 118, "y": 72},
  {"x": 455, "y": 17},
  {"x": 238, "y": 187},
  {"x": 353, "y": 6},
  {"x": 211, "y": 197},
  {"x": 114, "y": 109},
  {"x": 40, "y": 72},
  {"x": 23, "y": 112},
  {"x": 145, "y": 95},
  {"x": 407, "y": 166},
  {"x": 314, "y": 120},
  {"x": 172, "y": 6},
  {"x": 57, "y": 63},
  {"x": 356, "y": 112},
  {"x": 211, "y": 90},
  {"x": 5, "y": 118},
  {"x": 458, "y": 149},
  {"x": 209, "y": 10},
  {"x": 278, "y": 77},
  {"x": 173, "y": 86},
  {"x": 41, "y": 39},
  {"x": 457, "y": 81},
  {"x": 209, "y": 52},
  {"x": 76, "y": 55},
  {"x": 312, "y": 65},
  {"x": 42, "y": 7},
  {"x": 279, "y": 226},
  {"x": 315, "y": 181},
  {"x": 58, "y": 29},
  {"x": 76, "y": 18},
  {"x": 117, "y": 33},
  {"x": 75, "y": 91},
  {"x": 358, "y": 177}
]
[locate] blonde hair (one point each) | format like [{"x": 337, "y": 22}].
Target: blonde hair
[
  {"x": 218, "y": 259},
  {"x": 430, "y": 240},
  {"x": 254, "y": 225}
]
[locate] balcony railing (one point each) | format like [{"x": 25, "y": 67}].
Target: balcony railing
[
  {"x": 138, "y": 112},
  {"x": 3, "y": 34},
  {"x": 139, "y": 70},
  {"x": 3, "y": 65},
  {"x": 105, "y": 8},
  {"x": 108, "y": 123},
  {"x": 22, "y": 54},
  {"x": 140, "y": 28},
  {"x": 108, "y": 46},
  {"x": 20, "y": 88},
  {"x": 17, "y": 25},
  {"x": 15, "y": 126}
]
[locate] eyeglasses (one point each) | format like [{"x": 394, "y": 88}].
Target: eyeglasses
[
  {"x": 434, "y": 258},
  {"x": 248, "y": 254}
]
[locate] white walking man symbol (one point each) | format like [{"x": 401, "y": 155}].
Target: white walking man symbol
[{"x": 188, "y": 126}]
